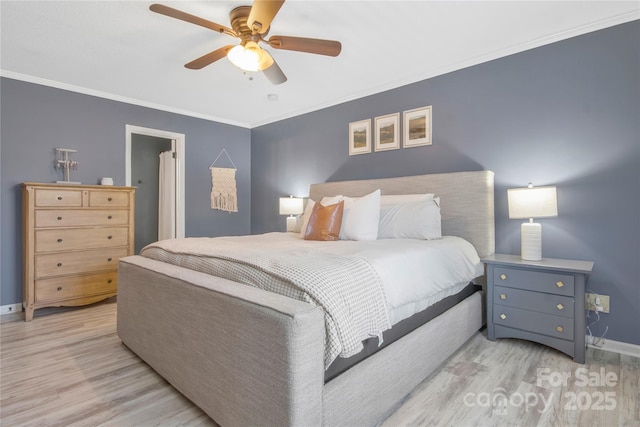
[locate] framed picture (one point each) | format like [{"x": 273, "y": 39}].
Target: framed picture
[
  {"x": 387, "y": 133},
  {"x": 360, "y": 137},
  {"x": 417, "y": 127}
]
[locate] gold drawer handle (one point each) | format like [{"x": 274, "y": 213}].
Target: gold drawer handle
[
  {"x": 560, "y": 307},
  {"x": 503, "y": 316},
  {"x": 503, "y": 296},
  {"x": 503, "y": 276},
  {"x": 559, "y": 328},
  {"x": 559, "y": 283}
]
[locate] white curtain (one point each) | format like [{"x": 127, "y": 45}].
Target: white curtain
[{"x": 167, "y": 202}]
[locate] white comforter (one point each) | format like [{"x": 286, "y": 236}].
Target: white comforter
[{"x": 415, "y": 273}]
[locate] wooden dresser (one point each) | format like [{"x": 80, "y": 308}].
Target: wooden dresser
[{"x": 73, "y": 236}]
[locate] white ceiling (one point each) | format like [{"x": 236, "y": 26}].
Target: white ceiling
[{"x": 121, "y": 50}]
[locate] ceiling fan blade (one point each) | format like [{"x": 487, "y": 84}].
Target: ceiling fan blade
[
  {"x": 209, "y": 58},
  {"x": 301, "y": 44},
  {"x": 183, "y": 16},
  {"x": 275, "y": 74},
  {"x": 262, "y": 13}
]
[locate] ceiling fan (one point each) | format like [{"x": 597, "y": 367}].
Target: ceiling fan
[{"x": 251, "y": 25}]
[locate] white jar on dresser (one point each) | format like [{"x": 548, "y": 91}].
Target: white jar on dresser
[{"x": 73, "y": 236}]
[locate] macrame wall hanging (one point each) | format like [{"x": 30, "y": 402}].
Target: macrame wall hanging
[{"x": 224, "y": 194}]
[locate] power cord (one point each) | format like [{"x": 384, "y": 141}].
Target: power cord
[{"x": 595, "y": 341}]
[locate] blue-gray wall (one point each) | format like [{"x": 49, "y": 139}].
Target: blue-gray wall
[
  {"x": 566, "y": 114},
  {"x": 37, "y": 119}
]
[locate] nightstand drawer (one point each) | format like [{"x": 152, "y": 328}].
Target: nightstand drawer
[
  {"x": 538, "y": 281},
  {"x": 533, "y": 301},
  {"x": 554, "y": 326}
]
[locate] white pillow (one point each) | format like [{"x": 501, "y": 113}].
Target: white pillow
[
  {"x": 361, "y": 217},
  {"x": 326, "y": 201},
  {"x": 414, "y": 220},
  {"x": 394, "y": 199}
]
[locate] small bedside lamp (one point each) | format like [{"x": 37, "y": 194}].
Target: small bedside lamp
[
  {"x": 532, "y": 202},
  {"x": 291, "y": 206}
]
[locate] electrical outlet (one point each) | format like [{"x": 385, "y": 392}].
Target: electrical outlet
[{"x": 597, "y": 302}]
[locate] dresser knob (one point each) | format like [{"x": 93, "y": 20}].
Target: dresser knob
[
  {"x": 559, "y": 283},
  {"x": 109, "y": 281},
  {"x": 59, "y": 218},
  {"x": 109, "y": 217},
  {"x": 59, "y": 288},
  {"x": 559, "y": 328},
  {"x": 59, "y": 264},
  {"x": 109, "y": 199},
  {"x": 109, "y": 237},
  {"x": 503, "y": 296},
  {"x": 59, "y": 240},
  {"x": 59, "y": 197},
  {"x": 503, "y": 316},
  {"x": 503, "y": 276},
  {"x": 109, "y": 259},
  {"x": 560, "y": 307}
]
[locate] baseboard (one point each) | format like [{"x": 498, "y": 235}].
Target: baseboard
[
  {"x": 10, "y": 309},
  {"x": 617, "y": 347}
]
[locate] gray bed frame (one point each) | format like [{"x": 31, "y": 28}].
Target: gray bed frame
[{"x": 248, "y": 357}]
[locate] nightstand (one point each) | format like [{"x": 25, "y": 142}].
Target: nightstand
[{"x": 541, "y": 301}]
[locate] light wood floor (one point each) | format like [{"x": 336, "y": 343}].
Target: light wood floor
[{"x": 70, "y": 369}]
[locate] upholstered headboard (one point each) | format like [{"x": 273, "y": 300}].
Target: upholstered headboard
[{"x": 466, "y": 200}]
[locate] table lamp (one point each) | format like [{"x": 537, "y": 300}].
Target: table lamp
[
  {"x": 291, "y": 206},
  {"x": 532, "y": 202}
]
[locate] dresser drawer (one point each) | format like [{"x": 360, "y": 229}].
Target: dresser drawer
[
  {"x": 108, "y": 198},
  {"x": 47, "y": 265},
  {"x": 542, "y": 323},
  {"x": 54, "y": 197},
  {"x": 538, "y": 281},
  {"x": 80, "y": 218},
  {"x": 534, "y": 301},
  {"x": 63, "y": 288},
  {"x": 78, "y": 238}
]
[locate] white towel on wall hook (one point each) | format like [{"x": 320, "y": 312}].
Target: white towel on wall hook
[{"x": 224, "y": 194}]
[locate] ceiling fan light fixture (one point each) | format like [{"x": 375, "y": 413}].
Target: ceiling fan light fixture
[
  {"x": 246, "y": 57},
  {"x": 250, "y": 57}
]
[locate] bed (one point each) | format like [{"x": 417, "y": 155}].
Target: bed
[{"x": 247, "y": 356}]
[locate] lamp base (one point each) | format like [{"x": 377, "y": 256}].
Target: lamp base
[
  {"x": 291, "y": 223},
  {"x": 531, "y": 241}
]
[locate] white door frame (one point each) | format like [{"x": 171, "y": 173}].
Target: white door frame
[{"x": 179, "y": 139}]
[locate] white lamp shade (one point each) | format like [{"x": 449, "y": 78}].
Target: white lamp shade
[
  {"x": 534, "y": 202},
  {"x": 291, "y": 206}
]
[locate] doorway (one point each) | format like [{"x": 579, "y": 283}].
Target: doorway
[{"x": 143, "y": 148}]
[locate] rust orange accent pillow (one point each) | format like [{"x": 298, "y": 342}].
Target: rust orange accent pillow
[{"x": 324, "y": 222}]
